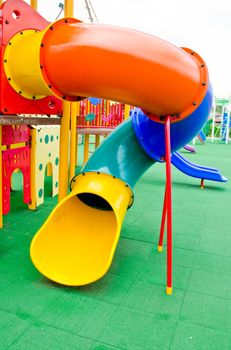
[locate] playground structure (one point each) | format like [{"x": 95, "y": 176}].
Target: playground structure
[
  {"x": 99, "y": 117},
  {"x": 30, "y": 150},
  {"x": 76, "y": 244},
  {"x": 201, "y": 137},
  {"x": 102, "y": 114},
  {"x": 220, "y": 121}
]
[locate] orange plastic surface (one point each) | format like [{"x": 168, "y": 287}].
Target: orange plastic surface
[{"x": 123, "y": 65}]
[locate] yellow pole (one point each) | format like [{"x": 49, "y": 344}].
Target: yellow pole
[
  {"x": 86, "y": 148},
  {"x": 34, "y": 4},
  {"x": 88, "y": 111},
  {"x": 32, "y": 204},
  {"x": 1, "y": 221},
  {"x": 74, "y": 107},
  {"x": 77, "y": 146},
  {"x": 1, "y": 1},
  {"x": 68, "y": 8},
  {"x": 65, "y": 127},
  {"x": 126, "y": 111},
  {"x": 63, "y": 151},
  {"x": 97, "y": 141}
]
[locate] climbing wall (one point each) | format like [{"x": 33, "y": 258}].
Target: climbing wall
[{"x": 46, "y": 156}]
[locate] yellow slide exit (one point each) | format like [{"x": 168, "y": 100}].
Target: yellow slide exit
[{"x": 76, "y": 244}]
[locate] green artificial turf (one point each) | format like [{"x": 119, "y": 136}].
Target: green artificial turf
[{"x": 128, "y": 308}]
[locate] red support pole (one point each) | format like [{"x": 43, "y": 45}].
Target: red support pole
[
  {"x": 202, "y": 184},
  {"x": 168, "y": 204},
  {"x": 162, "y": 227}
]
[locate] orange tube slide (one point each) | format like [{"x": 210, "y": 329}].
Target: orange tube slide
[{"x": 124, "y": 65}]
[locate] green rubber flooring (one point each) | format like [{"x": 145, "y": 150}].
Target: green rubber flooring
[{"x": 128, "y": 308}]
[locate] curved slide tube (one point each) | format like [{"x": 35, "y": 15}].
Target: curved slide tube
[
  {"x": 195, "y": 170},
  {"x": 76, "y": 244}
]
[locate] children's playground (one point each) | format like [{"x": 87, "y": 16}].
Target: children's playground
[{"x": 115, "y": 196}]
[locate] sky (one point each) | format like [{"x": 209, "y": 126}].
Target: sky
[{"x": 201, "y": 25}]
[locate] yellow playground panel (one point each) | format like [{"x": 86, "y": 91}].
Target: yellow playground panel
[{"x": 44, "y": 155}]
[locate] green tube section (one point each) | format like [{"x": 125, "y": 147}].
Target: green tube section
[{"x": 120, "y": 155}]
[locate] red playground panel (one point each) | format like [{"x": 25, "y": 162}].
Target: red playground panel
[
  {"x": 15, "y": 134},
  {"x": 12, "y": 159}
]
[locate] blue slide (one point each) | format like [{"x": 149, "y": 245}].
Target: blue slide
[{"x": 194, "y": 170}]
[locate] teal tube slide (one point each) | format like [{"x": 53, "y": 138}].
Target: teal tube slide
[{"x": 120, "y": 155}]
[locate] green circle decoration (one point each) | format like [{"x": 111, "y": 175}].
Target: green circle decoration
[
  {"x": 46, "y": 139},
  {"x": 40, "y": 193},
  {"x": 56, "y": 161},
  {"x": 40, "y": 166}
]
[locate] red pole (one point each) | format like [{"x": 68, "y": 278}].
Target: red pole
[
  {"x": 168, "y": 204},
  {"x": 164, "y": 212}
]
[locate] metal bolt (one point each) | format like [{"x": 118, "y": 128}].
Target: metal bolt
[
  {"x": 204, "y": 83},
  {"x": 194, "y": 103},
  {"x": 7, "y": 22}
]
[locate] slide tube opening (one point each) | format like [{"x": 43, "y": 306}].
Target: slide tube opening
[{"x": 94, "y": 201}]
